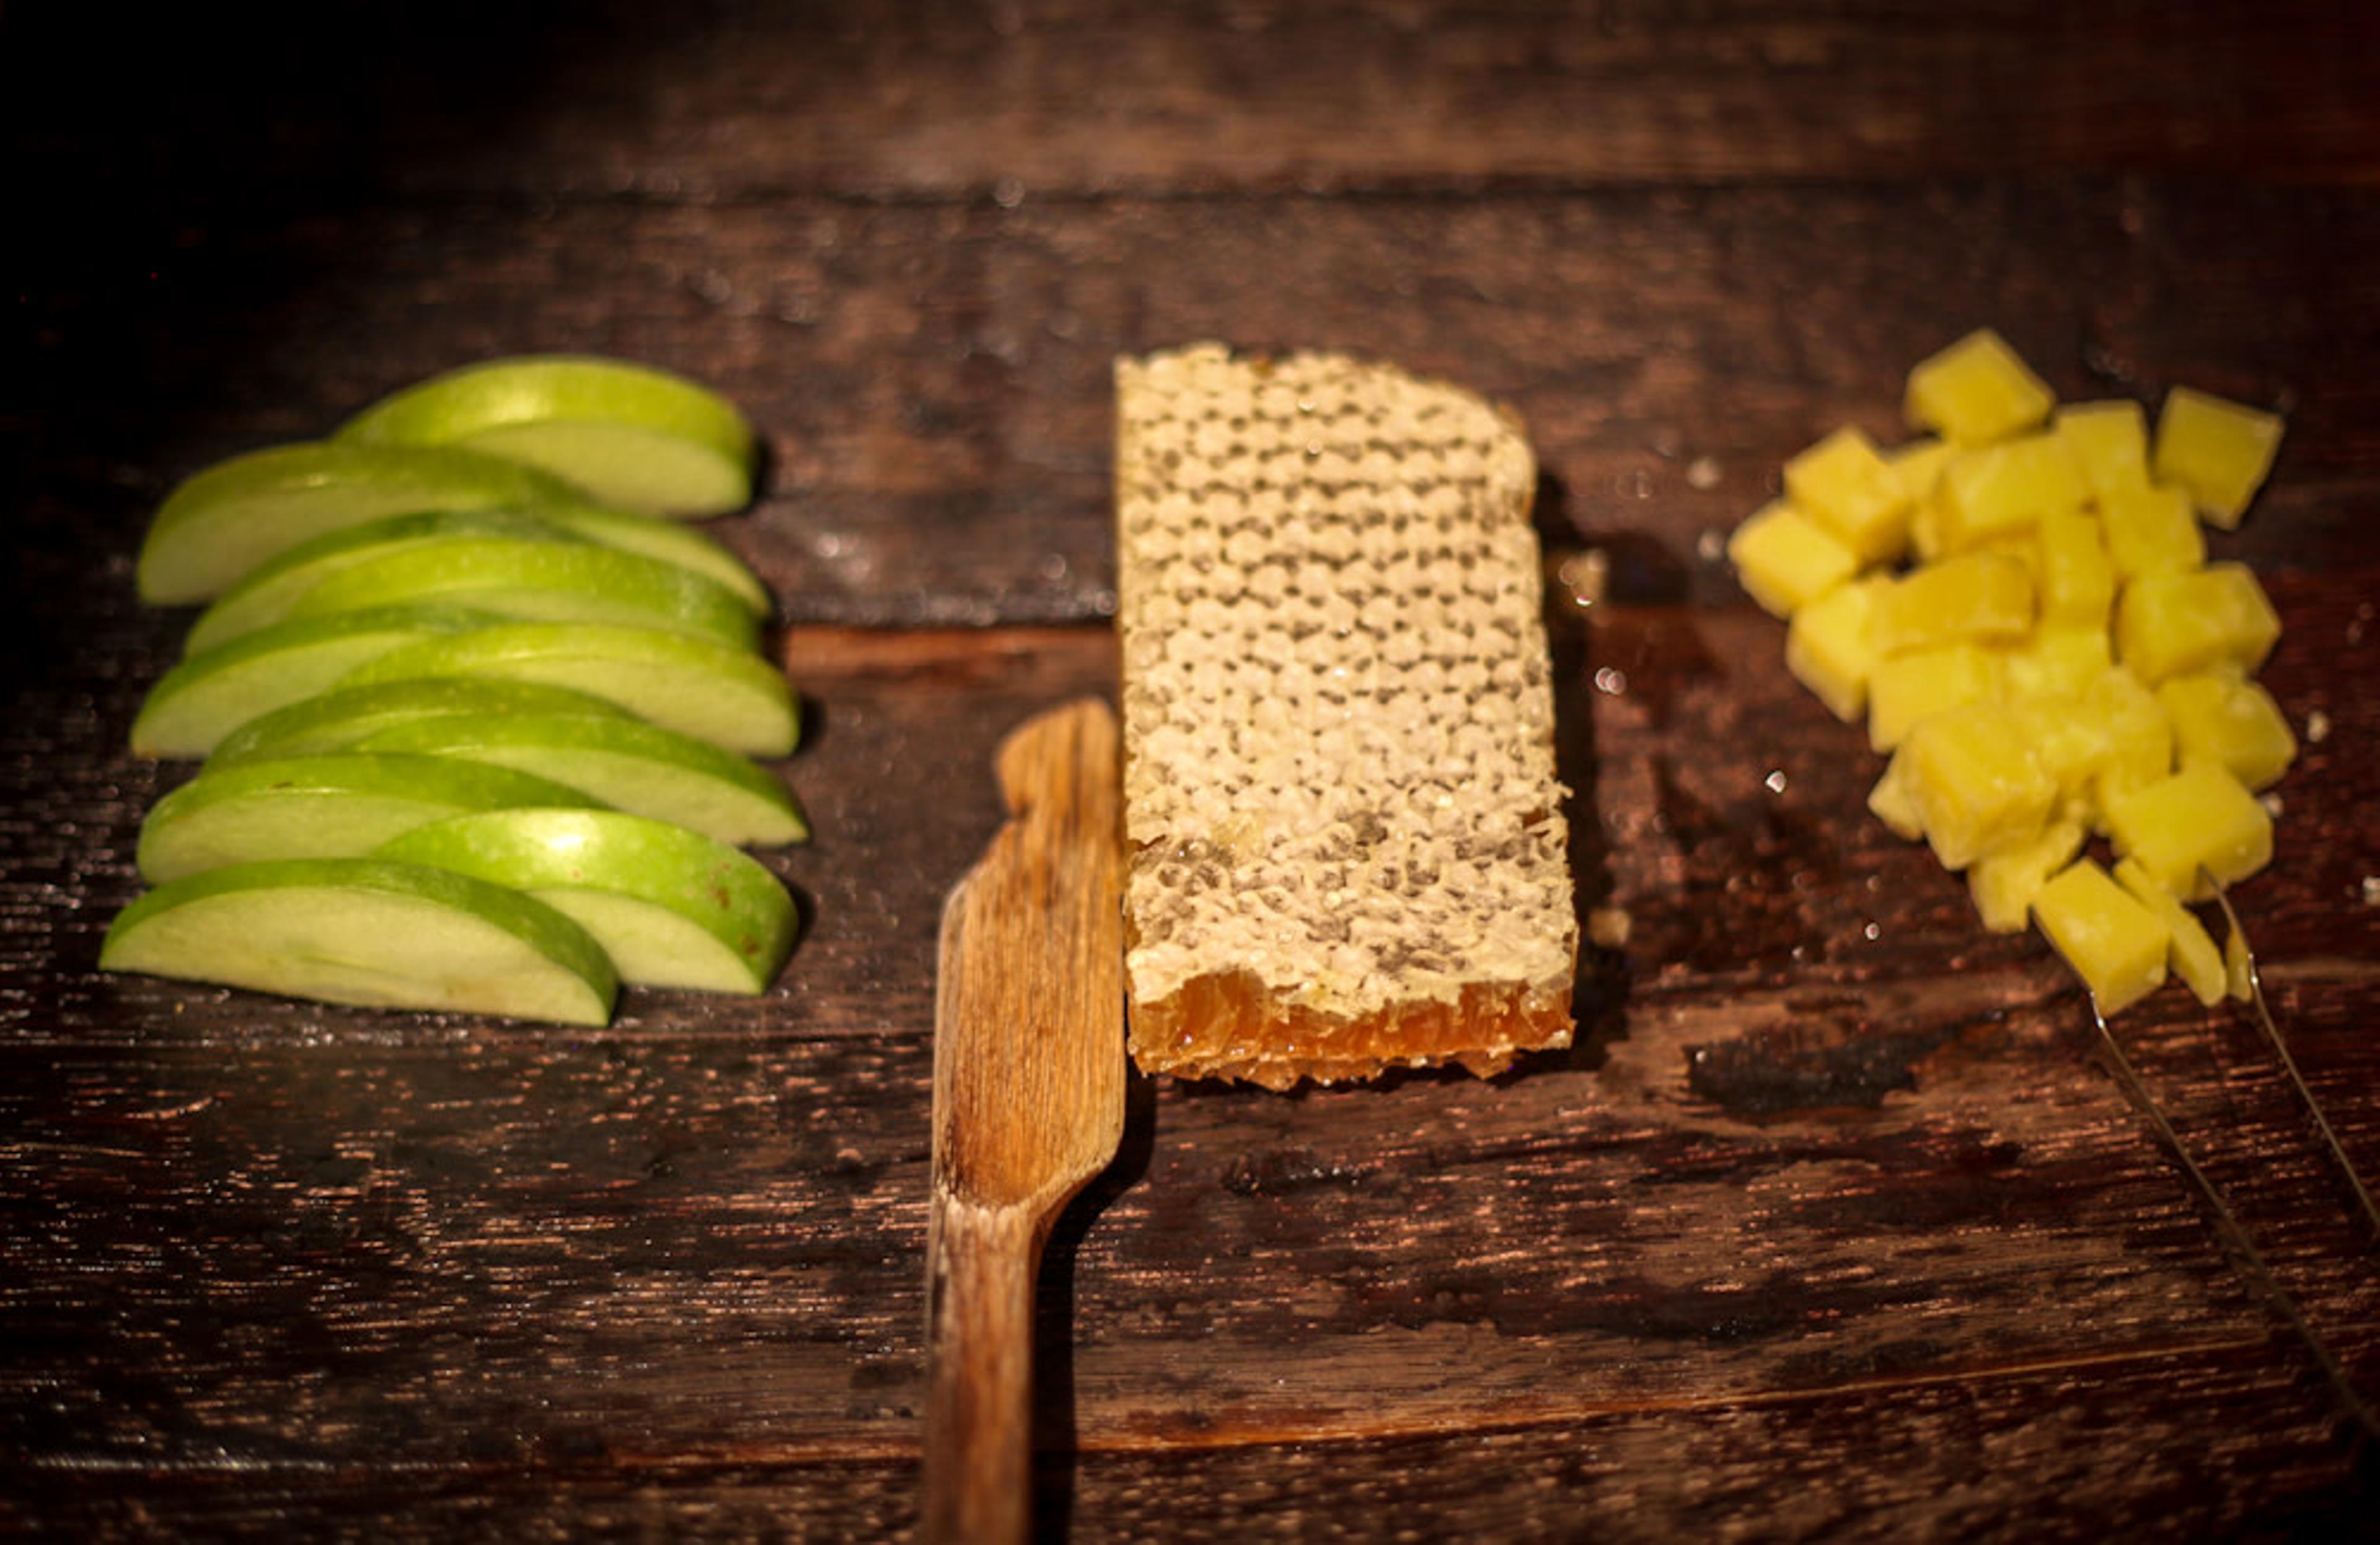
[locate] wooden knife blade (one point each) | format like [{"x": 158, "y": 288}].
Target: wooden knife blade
[{"x": 1028, "y": 1101}]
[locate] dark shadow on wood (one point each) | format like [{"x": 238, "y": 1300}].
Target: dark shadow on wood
[
  {"x": 1056, "y": 1442},
  {"x": 812, "y": 713},
  {"x": 1599, "y": 1003}
]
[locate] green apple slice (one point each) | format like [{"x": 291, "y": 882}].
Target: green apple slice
[
  {"x": 628, "y": 434},
  {"x": 625, "y": 764},
  {"x": 358, "y": 931},
  {"x": 735, "y": 700},
  {"x": 337, "y": 720},
  {"x": 208, "y": 696},
  {"x": 666, "y": 540},
  {"x": 671, "y": 907},
  {"x": 535, "y": 581},
  {"x": 265, "y": 594},
  {"x": 233, "y": 517},
  {"x": 341, "y": 805}
]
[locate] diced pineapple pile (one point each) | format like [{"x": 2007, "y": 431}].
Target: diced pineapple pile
[{"x": 2020, "y": 605}]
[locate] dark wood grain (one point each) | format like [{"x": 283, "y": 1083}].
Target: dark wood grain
[
  {"x": 688, "y": 1249},
  {"x": 2021, "y": 1457},
  {"x": 1830, "y": 1227},
  {"x": 933, "y": 382},
  {"x": 1107, "y": 97},
  {"x": 522, "y": 1249}
]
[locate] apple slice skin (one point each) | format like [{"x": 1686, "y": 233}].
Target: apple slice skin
[
  {"x": 538, "y": 581},
  {"x": 625, "y": 764},
  {"x": 229, "y": 519},
  {"x": 463, "y": 507},
  {"x": 637, "y": 469},
  {"x": 737, "y": 700},
  {"x": 368, "y": 932},
  {"x": 337, "y": 720},
  {"x": 337, "y": 806},
  {"x": 635, "y": 884},
  {"x": 669, "y": 540},
  {"x": 557, "y": 411},
  {"x": 267, "y": 593},
  {"x": 207, "y": 696}
]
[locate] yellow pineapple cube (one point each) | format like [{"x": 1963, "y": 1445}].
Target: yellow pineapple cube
[
  {"x": 2008, "y": 487},
  {"x": 1904, "y": 691},
  {"x": 2235, "y": 723},
  {"x": 1853, "y": 493},
  {"x": 2077, "y": 582},
  {"x": 1925, "y": 528},
  {"x": 2201, "y": 819},
  {"x": 2114, "y": 943},
  {"x": 1984, "y": 596},
  {"x": 1785, "y": 560},
  {"x": 2191, "y": 954},
  {"x": 2239, "y": 967},
  {"x": 2004, "y": 884},
  {"x": 1891, "y": 802},
  {"x": 1976, "y": 783},
  {"x": 1827, "y": 648},
  {"x": 2218, "y": 450},
  {"x": 2069, "y": 742},
  {"x": 2172, "y": 624},
  {"x": 2057, "y": 661},
  {"x": 1919, "y": 465},
  {"x": 1976, "y": 391},
  {"x": 2151, "y": 531},
  {"x": 2023, "y": 546},
  {"x": 2111, "y": 442},
  {"x": 2139, "y": 738}
]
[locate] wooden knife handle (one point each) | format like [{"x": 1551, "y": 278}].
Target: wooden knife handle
[{"x": 981, "y": 1266}]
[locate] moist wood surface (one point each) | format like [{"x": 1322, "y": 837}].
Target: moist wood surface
[{"x": 1831, "y": 1226}]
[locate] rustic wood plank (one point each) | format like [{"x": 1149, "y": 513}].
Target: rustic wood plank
[
  {"x": 671, "y": 1246},
  {"x": 2022, "y": 1457},
  {"x": 1730, "y": 884},
  {"x": 723, "y": 101},
  {"x": 1773, "y": 1471},
  {"x": 1815, "y": 1235},
  {"x": 687, "y": 1249},
  {"x": 681, "y": 1276},
  {"x": 451, "y": 1253},
  {"x": 933, "y": 382}
]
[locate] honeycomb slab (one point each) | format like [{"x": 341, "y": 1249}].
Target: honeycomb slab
[{"x": 1344, "y": 835}]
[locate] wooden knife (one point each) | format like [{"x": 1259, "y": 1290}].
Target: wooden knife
[{"x": 1028, "y": 1101}]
